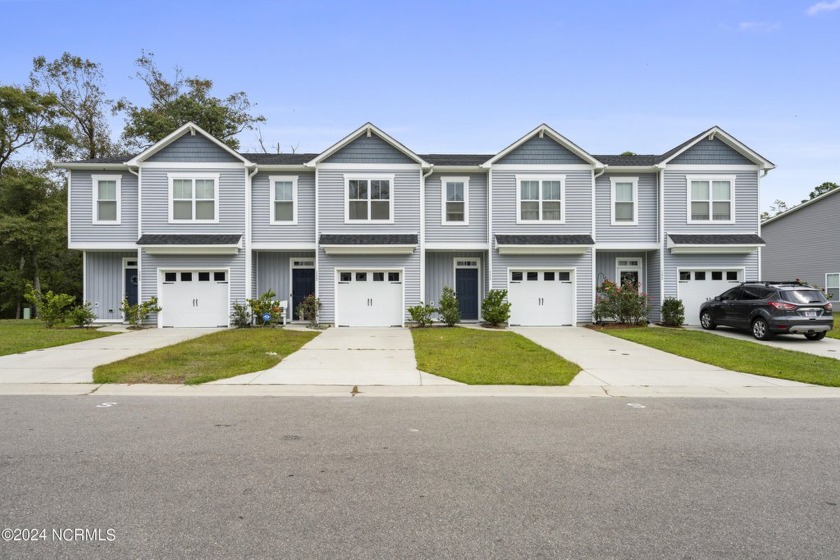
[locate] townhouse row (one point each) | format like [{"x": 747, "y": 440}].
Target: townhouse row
[{"x": 371, "y": 227}]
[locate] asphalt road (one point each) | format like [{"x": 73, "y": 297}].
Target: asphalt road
[{"x": 420, "y": 477}]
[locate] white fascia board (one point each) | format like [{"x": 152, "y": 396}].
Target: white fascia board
[
  {"x": 374, "y": 167},
  {"x": 103, "y": 246},
  {"x": 714, "y": 249},
  {"x": 711, "y": 169},
  {"x": 543, "y": 249},
  {"x": 538, "y": 167},
  {"x": 459, "y": 169},
  {"x": 189, "y": 127},
  {"x": 191, "y": 165},
  {"x": 291, "y": 246},
  {"x": 542, "y": 130},
  {"x": 631, "y": 169},
  {"x": 279, "y": 167},
  {"x": 191, "y": 249},
  {"x": 457, "y": 246},
  {"x": 368, "y": 249},
  {"x": 628, "y": 246},
  {"x": 366, "y": 128}
]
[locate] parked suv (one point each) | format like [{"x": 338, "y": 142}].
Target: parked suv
[{"x": 768, "y": 308}]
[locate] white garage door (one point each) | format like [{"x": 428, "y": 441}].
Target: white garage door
[
  {"x": 541, "y": 297},
  {"x": 192, "y": 298},
  {"x": 697, "y": 286},
  {"x": 369, "y": 298}
]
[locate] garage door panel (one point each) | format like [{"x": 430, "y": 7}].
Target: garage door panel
[
  {"x": 697, "y": 286},
  {"x": 369, "y": 298},
  {"x": 194, "y": 299},
  {"x": 541, "y": 297}
]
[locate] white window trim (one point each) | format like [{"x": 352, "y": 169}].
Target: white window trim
[
  {"x": 95, "y": 199},
  {"x": 214, "y": 176},
  {"x": 443, "y": 201},
  {"x": 690, "y": 178},
  {"x": 540, "y": 178},
  {"x": 635, "y": 181},
  {"x": 638, "y": 267},
  {"x": 369, "y": 177},
  {"x": 838, "y": 283},
  {"x": 293, "y": 179}
]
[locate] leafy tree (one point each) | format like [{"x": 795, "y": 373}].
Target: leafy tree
[
  {"x": 181, "y": 100},
  {"x": 77, "y": 85},
  {"x": 28, "y": 119},
  {"x": 450, "y": 308},
  {"x": 821, "y": 189},
  {"x": 52, "y": 308}
]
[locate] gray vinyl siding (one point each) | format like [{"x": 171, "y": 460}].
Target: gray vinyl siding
[
  {"x": 331, "y": 202},
  {"x": 231, "y": 198},
  {"x": 476, "y": 231},
  {"x": 82, "y": 229},
  {"x": 368, "y": 150},
  {"x": 104, "y": 282},
  {"x": 150, "y": 264},
  {"x": 273, "y": 271},
  {"x": 327, "y": 265},
  {"x": 803, "y": 244},
  {"x": 578, "y": 201},
  {"x": 440, "y": 272},
  {"x": 193, "y": 148},
  {"x": 654, "y": 284},
  {"x": 746, "y": 203},
  {"x": 541, "y": 150},
  {"x": 583, "y": 276},
  {"x": 648, "y": 201},
  {"x": 711, "y": 152},
  {"x": 748, "y": 262},
  {"x": 263, "y": 231}
]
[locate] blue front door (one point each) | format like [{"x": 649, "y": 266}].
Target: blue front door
[
  {"x": 131, "y": 285},
  {"x": 303, "y": 284},
  {"x": 466, "y": 288}
]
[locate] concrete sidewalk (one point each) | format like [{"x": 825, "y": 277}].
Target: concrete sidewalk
[
  {"x": 827, "y": 347},
  {"x": 74, "y": 363},
  {"x": 348, "y": 356},
  {"x": 610, "y": 361}
]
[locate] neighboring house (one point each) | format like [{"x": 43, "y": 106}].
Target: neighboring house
[
  {"x": 799, "y": 245},
  {"x": 371, "y": 227}
]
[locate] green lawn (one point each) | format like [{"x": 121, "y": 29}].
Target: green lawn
[
  {"x": 737, "y": 355},
  {"x": 22, "y": 336},
  {"x": 479, "y": 357},
  {"x": 214, "y": 356},
  {"x": 835, "y": 333}
]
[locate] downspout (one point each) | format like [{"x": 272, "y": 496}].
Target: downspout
[
  {"x": 423, "y": 230},
  {"x": 489, "y": 231},
  {"x": 660, "y": 219},
  {"x": 139, "y": 175},
  {"x": 248, "y": 218},
  {"x": 594, "y": 238}
]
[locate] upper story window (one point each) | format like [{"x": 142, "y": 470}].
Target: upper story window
[
  {"x": 711, "y": 199},
  {"x": 540, "y": 199},
  {"x": 624, "y": 195},
  {"x": 369, "y": 198},
  {"x": 455, "y": 203},
  {"x": 193, "y": 197},
  {"x": 284, "y": 196},
  {"x": 106, "y": 199}
]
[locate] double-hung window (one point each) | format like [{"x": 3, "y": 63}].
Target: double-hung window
[
  {"x": 455, "y": 201},
  {"x": 711, "y": 199},
  {"x": 369, "y": 198},
  {"x": 284, "y": 196},
  {"x": 624, "y": 195},
  {"x": 193, "y": 198},
  {"x": 540, "y": 199},
  {"x": 832, "y": 286},
  {"x": 106, "y": 199}
]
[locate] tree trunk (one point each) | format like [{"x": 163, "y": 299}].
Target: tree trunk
[
  {"x": 19, "y": 309},
  {"x": 37, "y": 280}
]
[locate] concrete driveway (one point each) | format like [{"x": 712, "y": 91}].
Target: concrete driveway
[
  {"x": 610, "y": 361},
  {"x": 827, "y": 347},
  {"x": 348, "y": 356},
  {"x": 74, "y": 363}
]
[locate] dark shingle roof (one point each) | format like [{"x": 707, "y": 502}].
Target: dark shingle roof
[
  {"x": 112, "y": 159},
  {"x": 188, "y": 239},
  {"x": 634, "y": 160},
  {"x": 369, "y": 239},
  {"x": 279, "y": 159},
  {"x": 456, "y": 159},
  {"x": 544, "y": 240},
  {"x": 716, "y": 239}
]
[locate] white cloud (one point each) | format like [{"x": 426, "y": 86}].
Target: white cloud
[
  {"x": 823, "y": 7},
  {"x": 759, "y": 26}
]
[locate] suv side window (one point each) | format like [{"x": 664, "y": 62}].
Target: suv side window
[
  {"x": 755, "y": 292},
  {"x": 734, "y": 293}
]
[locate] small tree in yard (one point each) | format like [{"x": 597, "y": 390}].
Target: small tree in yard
[
  {"x": 494, "y": 308},
  {"x": 138, "y": 313},
  {"x": 450, "y": 307},
  {"x": 673, "y": 312},
  {"x": 309, "y": 309},
  {"x": 51, "y": 308},
  {"x": 422, "y": 314},
  {"x": 83, "y": 315}
]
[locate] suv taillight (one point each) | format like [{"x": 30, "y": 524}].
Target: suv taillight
[
  {"x": 828, "y": 306},
  {"x": 782, "y": 305}
]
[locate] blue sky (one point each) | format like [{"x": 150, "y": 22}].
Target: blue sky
[{"x": 447, "y": 76}]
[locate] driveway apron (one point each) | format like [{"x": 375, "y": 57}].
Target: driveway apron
[
  {"x": 609, "y": 361},
  {"x": 74, "y": 363},
  {"x": 348, "y": 356}
]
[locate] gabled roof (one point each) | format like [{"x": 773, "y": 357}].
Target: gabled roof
[
  {"x": 726, "y": 138},
  {"x": 192, "y": 128},
  {"x": 799, "y": 207},
  {"x": 545, "y": 130},
  {"x": 367, "y": 129}
]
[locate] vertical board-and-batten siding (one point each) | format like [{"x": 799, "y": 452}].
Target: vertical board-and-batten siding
[
  {"x": 541, "y": 150},
  {"x": 476, "y": 231},
  {"x": 274, "y": 271},
  {"x": 193, "y": 148},
  {"x": 105, "y": 282},
  {"x": 710, "y": 152},
  {"x": 654, "y": 284},
  {"x": 440, "y": 272},
  {"x": 82, "y": 228},
  {"x": 366, "y": 149},
  {"x": 648, "y": 200},
  {"x": 262, "y": 230},
  {"x": 802, "y": 244},
  {"x": 676, "y": 202}
]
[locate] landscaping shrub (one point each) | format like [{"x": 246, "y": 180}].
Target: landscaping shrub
[
  {"x": 309, "y": 309},
  {"x": 450, "y": 307},
  {"x": 241, "y": 316},
  {"x": 83, "y": 315},
  {"x": 138, "y": 313},
  {"x": 494, "y": 308},
  {"x": 673, "y": 312},
  {"x": 422, "y": 314},
  {"x": 623, "y": 304},
  {"x": 50, "y": 307},
  {"x": 264, "y": 305}
]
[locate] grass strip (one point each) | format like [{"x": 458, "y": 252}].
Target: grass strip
[{"x": 22, "y": 336}]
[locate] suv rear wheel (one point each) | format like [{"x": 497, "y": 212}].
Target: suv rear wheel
[
  {"x": 706, "y": 321},
  {"x": 815, "y": 335},
  {"x": 760, "y": 329}
]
